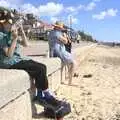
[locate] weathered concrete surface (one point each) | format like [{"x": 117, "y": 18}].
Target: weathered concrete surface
[
  {"x": 15, "y": 102},
  {"x": 19, "y": 109},
  {"x": 12, "y": 84}
]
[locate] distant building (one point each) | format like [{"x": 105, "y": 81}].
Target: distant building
[{"x": 34, "y": 27}]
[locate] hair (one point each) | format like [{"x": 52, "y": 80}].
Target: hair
[
  {"x": 6, "y": 15},
  {"x": 2, "y": 29}
]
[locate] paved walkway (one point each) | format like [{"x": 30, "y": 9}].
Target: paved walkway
[{"x": 40, "y": 48}]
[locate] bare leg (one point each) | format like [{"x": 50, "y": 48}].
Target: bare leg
[
  {"x": 75, "y": 74},
  {"x": 62, "y": 67},
  {"x": 70, "y": 73}
]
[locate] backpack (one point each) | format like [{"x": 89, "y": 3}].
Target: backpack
[{"x": 63, "y": 110}]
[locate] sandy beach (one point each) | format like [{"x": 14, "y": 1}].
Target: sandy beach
[{"x": 95, "y": 94}]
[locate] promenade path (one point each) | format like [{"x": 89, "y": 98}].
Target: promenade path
[
  {"x": 95, "y": 94},
  {"x": 40, "y": 48}
]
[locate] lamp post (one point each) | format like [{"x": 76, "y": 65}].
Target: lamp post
[
  {"x": 70, "y": 21},
  {"x": 70, "y": 25}
]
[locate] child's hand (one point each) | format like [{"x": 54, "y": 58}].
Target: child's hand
[{"x": 14, "y": 34}]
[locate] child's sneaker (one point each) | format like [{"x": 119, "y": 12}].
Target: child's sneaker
[
  {"x": 51, "y": 102},
  {"x": 46, "y": 99}
]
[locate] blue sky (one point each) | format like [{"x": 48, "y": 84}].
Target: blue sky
[{"x": 100, "y": 18}]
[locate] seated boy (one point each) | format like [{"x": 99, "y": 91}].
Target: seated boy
[{"x": 11, "y": 58}]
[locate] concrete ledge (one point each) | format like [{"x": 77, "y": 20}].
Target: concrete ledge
[
  {"x": 15, "y": 103},
  {"x": 12, "y": 84},
  {"x": 18, "y": 109},
  {"x": 14, "y": 96}
]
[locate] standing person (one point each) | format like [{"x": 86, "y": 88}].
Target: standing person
[
  {"x": 11, "y": 58},
  {"x": 58, "y": 41},
  {"x": 78, "y": 38},
  {"x": 68, "y": 46},
  {"x": 51, "y": 41}
]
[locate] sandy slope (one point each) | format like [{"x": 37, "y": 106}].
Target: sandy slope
[{"x": 95, "y": 94}]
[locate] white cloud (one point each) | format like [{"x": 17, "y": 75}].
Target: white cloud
[
  {"x": 50, "y": 9},
  {"x": 29, "y": 8},
  {"x": 100, "y": 16},
  {"x": 90, "y": 6},
  {"x": 4, "y": 3},
  {"x": 74, "y": 9},
  {"x": 71, "y": 9},
  {"x": 110, "y": 12},
  {"x": 11, "y": 3}
]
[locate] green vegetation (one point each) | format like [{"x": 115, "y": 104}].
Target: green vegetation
[{"x": 86, "y": 37}]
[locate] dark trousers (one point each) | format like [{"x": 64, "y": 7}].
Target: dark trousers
[
  {"x": 68, "y": 47},
  {"x": 37, "y": 71}
]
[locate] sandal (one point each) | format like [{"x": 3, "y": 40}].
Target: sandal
[{"x": 75, "y": 75}]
